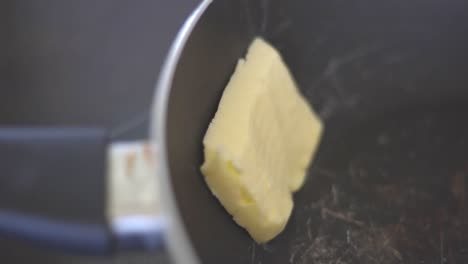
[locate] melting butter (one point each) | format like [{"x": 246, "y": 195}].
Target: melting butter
[{"x": 260, "y": 143}]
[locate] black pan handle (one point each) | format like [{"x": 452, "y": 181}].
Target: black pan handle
[{"x": 53, "y": 192}]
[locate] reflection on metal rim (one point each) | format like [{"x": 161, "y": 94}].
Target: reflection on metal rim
[{"x": 178, "y": 241}]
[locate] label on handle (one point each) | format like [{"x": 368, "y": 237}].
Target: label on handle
[{"x": 132, "y": 181}]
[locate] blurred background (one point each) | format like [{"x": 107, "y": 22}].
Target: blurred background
[{"x": 112, "y": 48}]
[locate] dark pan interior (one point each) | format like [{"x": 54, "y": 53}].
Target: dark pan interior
[{"x": 389, "y": 80}]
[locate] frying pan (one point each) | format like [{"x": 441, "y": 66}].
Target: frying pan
[
  {"x": 388, "y": 79},
  {"x": 388, "y": 182}
]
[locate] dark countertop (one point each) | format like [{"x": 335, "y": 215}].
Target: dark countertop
[
  {"x": 18, "y": 252},
  {"x": 115, "y": 48}
]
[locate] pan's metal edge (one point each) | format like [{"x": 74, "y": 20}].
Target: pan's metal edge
[{"x": 177, "y": 239}]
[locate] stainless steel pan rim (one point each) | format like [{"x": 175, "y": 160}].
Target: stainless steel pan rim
[{"x": 177, "y": 239}]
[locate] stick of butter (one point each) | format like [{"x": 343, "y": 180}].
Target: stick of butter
[{"x": 260, "y": 143}]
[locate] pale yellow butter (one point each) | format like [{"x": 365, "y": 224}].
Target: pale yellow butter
[{"x": 260, "y": 143}]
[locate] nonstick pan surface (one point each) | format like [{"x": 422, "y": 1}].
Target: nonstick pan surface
[{"x": 389, "y": 79}]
